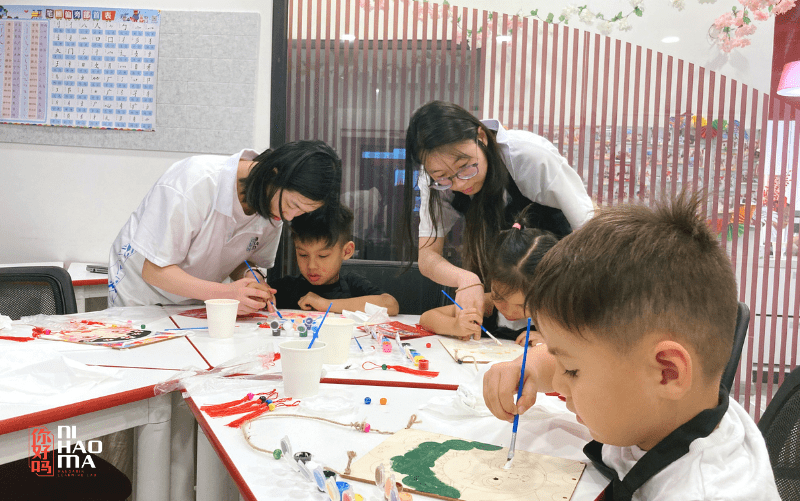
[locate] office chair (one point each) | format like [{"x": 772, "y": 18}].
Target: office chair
[
  {"x": 32, "y": 290},
  {"x": 414, "y": 293},
  {"x": 740, "y": 333},
  {"x": 780, "y": 425}
]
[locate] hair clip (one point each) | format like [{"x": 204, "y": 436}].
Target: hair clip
[{"x": 517, "y": 226}]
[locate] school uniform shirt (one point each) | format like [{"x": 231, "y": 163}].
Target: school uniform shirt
[
  {"x": 192, "y": 218},
  {"x": 292, "y": 289},
  {"x": 538, "y": 172},
  {"x": 502, "y": 328},
  {"x": 731, "y": 463}
]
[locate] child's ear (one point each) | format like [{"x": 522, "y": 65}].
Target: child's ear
[
  {"x": 672, "y": 368},
  {"x": 348, "y": 249}
]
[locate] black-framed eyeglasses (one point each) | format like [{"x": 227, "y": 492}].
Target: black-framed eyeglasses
[{"x": 464, "y": 173}]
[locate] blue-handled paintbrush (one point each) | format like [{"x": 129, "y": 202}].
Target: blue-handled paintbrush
[
  {"x": 259, "y": 281},
  {"x": 482, "y": 327},
  {"x": 519, "y": 394}
]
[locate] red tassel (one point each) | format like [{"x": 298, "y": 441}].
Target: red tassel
[
  {"x": 237, "y": 406},
  {"x": 226, "y": 405},
  {"x": 416, "y": 372},
  {"x": 235, "y": 410},
  {"x": 238, "y": 422}
]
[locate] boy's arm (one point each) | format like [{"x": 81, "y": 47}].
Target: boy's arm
[
  {"x": 502, "y": 380},
  {"x": 443, "y": 321}
]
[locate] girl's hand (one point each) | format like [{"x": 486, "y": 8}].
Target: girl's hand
[
  {"x": 468, "y": 324},
  {"x": 252, "y": 296},
  {"x": 266, "y": 288},
  {"x": 470, "y": 298}
]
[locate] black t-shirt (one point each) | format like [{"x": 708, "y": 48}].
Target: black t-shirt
[{"x": 349, "y": 285}]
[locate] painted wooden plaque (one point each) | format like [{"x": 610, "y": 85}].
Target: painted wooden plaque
[{"x": 453, "y": 468}]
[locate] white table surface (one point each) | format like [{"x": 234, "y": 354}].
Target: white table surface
[
  {"x": 550, "y": 430},
  {"x": 97, "y": 406}
]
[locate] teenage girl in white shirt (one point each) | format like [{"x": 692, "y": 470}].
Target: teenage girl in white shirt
[
  {"x": 480, "y": 171},
  {"x": 209, "y": 214}
]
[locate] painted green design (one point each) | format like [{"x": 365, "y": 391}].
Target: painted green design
[{"x": 418, "y": 463}]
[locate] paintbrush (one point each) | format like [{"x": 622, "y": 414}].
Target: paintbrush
[
  {"x": 316, "y": 332},
  {"x": 482, "y": 327},
  {"x": 519, "y": 394},
  {"x": 259, "y": 281}
]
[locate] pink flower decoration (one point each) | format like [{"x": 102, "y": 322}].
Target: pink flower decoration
[
  {"x": 760, "y": 15},
  {"x": 724, "y": 21},
  {"x": 745, "y": 30}
]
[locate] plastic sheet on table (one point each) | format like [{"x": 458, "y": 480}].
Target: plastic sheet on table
[{"x": 255, "y": 364}]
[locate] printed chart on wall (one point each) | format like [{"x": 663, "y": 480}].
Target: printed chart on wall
[{"x": 78, "y": 67}]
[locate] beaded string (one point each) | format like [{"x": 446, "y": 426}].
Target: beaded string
[
  {"x": 258, "y": 412},
  {"x": 358, "y": 426},
  {"x": 399, "y": 368},
  {"x": 464, "y": 359}
]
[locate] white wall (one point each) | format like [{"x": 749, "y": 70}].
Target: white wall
[{"x": 67, "y": 204}]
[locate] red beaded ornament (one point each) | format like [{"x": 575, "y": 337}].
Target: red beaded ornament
[
  {"x": 254, "y": 407},
  {"x": 399, "y": 368}
]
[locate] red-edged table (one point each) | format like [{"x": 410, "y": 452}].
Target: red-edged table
[{"x": 119, "y": 396}]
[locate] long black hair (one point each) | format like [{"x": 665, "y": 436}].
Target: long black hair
[
  {"x": 439, "y": 124},
  {"x": 517, "y": 254},
  {"x": 310, "y": 168}
]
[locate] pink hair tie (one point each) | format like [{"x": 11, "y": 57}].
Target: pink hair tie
[{"x": 517, "y": 226}]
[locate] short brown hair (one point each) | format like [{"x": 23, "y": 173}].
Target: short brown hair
[{"x": 632, "y": 270}]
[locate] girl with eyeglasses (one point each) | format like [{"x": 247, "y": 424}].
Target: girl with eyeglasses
[{"x": 480, "y": 172}]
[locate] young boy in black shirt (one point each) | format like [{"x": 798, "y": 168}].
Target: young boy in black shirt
[{"x": 322, "y": 241}]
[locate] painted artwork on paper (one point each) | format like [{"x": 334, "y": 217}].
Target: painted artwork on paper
[
  {"x": 482, "y": 351},
  {"x": 105, "y": 334},
  {"x": 470, "y": 471},
  {"x": 258, "y": 315}
]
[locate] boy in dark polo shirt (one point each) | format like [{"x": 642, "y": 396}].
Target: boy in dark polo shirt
[{"x": 322, "y": 241}]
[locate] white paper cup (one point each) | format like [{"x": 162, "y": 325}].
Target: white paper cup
[
  {"x": 221, "y": 315},
  {"x": 337, "y": 332},
  {"x": 301, "y": 367}
]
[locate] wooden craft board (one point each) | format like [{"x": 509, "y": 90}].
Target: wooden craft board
[
  {"x": 484, "y": 350},
  {"x": 471, "y": 475}
]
